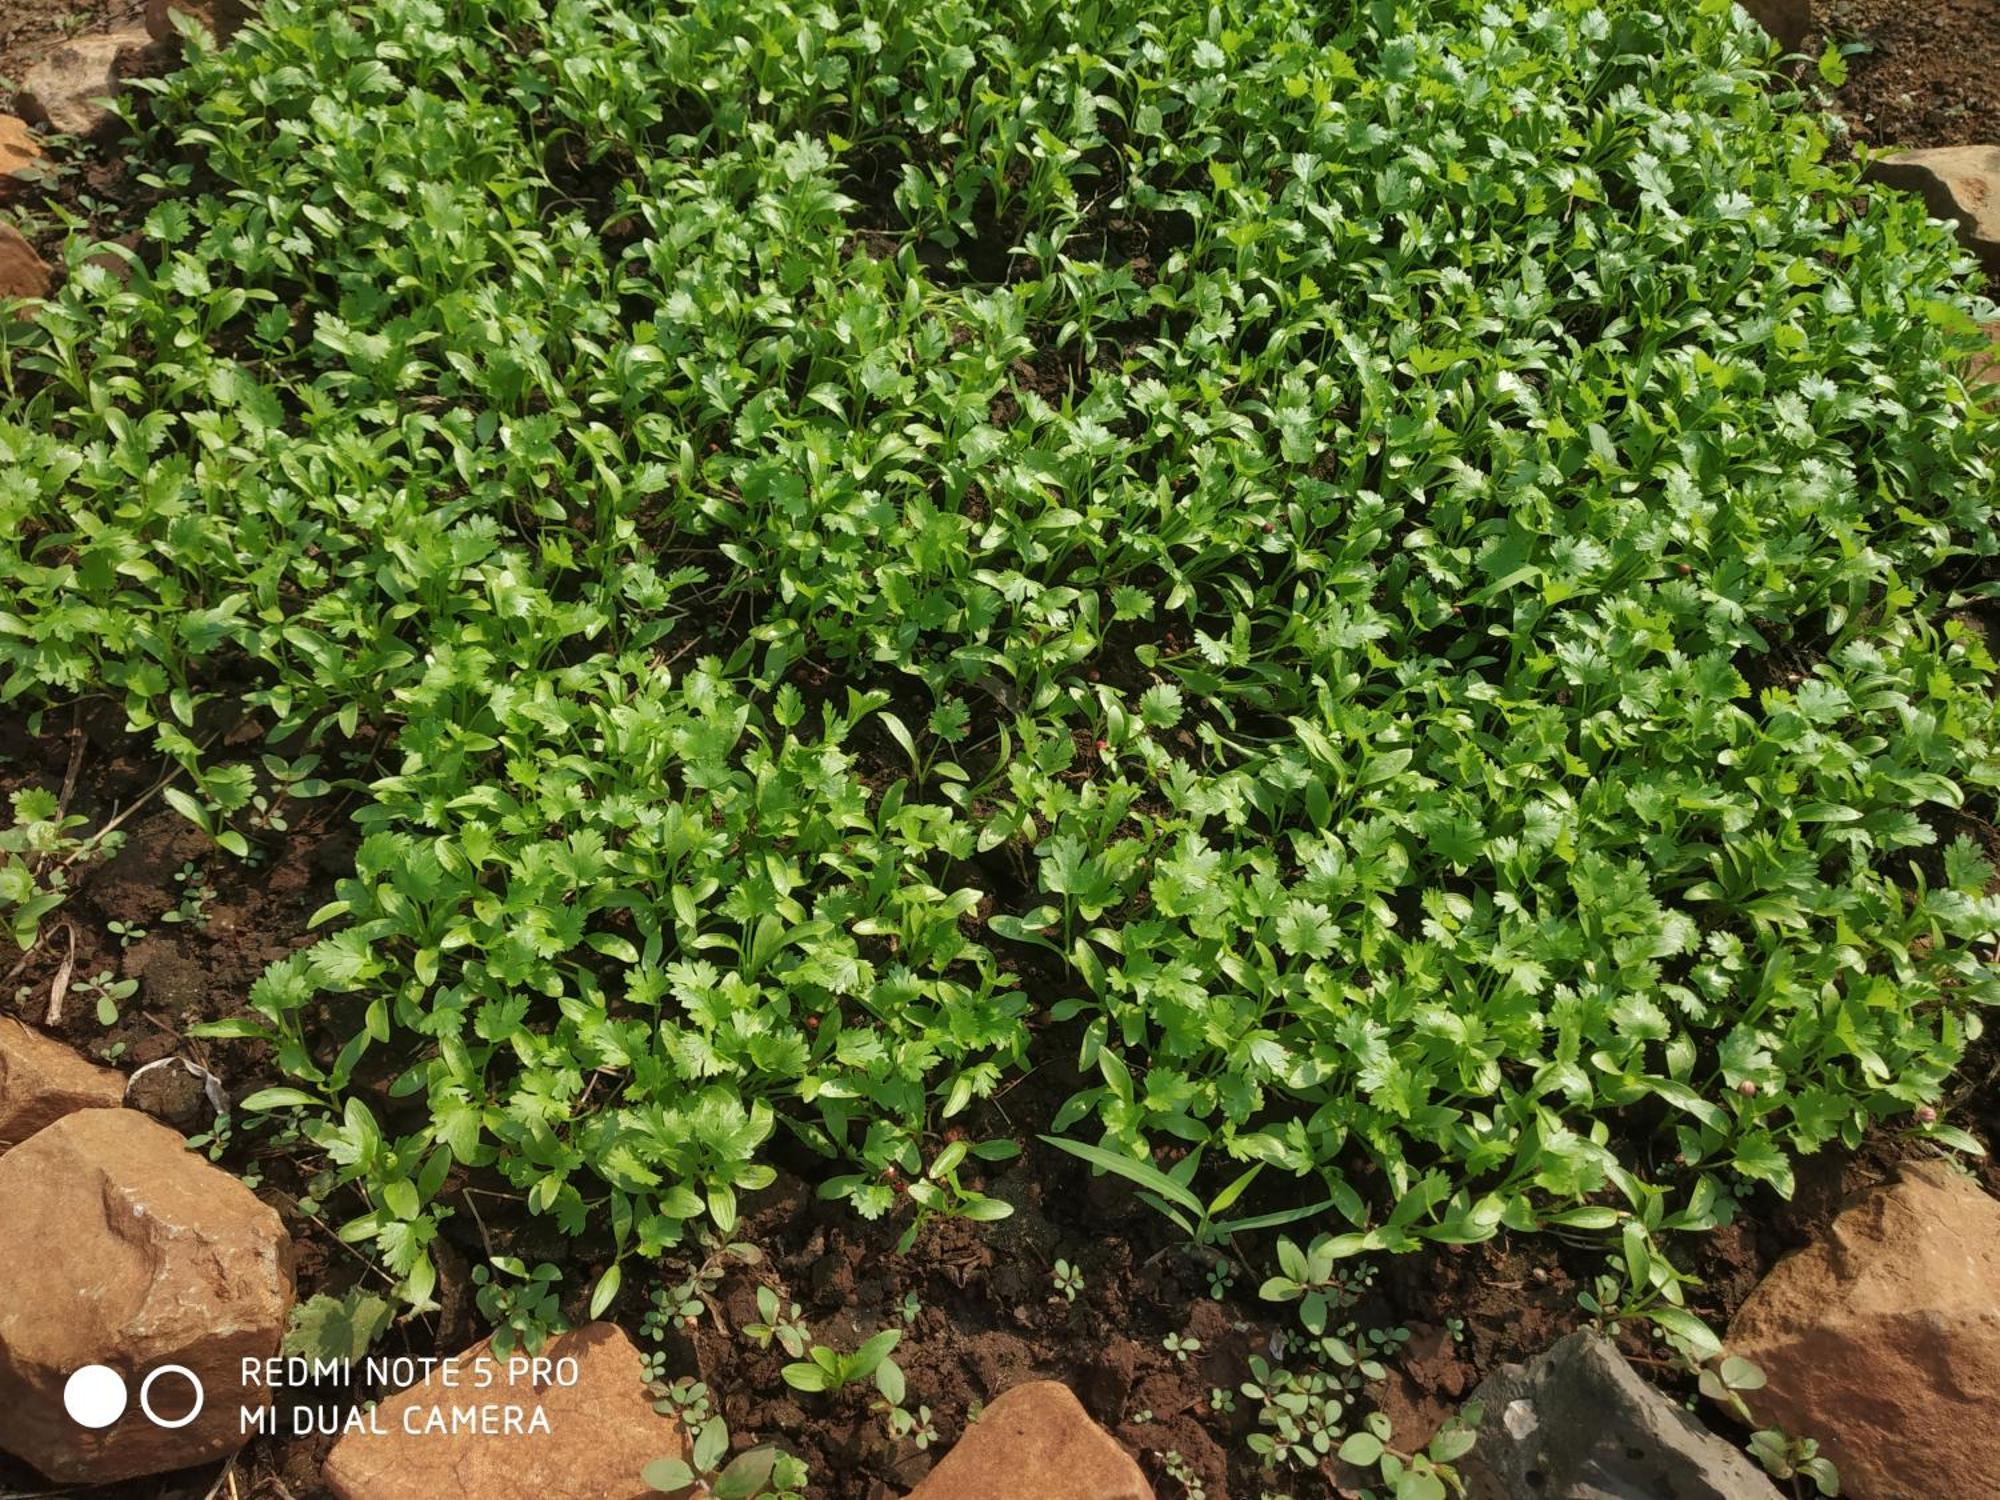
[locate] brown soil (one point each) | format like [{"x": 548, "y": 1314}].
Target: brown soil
[{"x": 1928, "y": 74}]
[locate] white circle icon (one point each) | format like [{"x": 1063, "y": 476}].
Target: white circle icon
[
  {"x": 146, "y": 1396},
  {"x": 95, "y": 1396}
]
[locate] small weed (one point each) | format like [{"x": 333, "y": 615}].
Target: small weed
[
  {"x": 522, "y": 1305},
  {"x": 1068, "y": 1280}
]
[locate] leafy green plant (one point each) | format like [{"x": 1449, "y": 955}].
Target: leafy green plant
[
  {"x": 827, "y": 1369},
  {"x": 935, "y": 1191},
  {"x": 693, "y": 1294},
  {"x": 1401, "y": 583},
  {"x": 522, "y": 1305},
  {"x": 915, "y": 1426},
  {"x": 104, "y": 990},
  {"x": 326, "y": 1327},
  {"x": 1314, "y": 1279},
  {"x": 1169, "y": 1193},
  {"x": 191, "y": 909},
  {"x": 1424, "y": 1475},
  {"x": 780, "y": 1323},
  {"x": 1723, "y": 1379},
  {"x": 1068, "y": 1280},
  {"x": 1183, "y": 1474},
  {"x": 761, "y": 1473},
  {"x": 35, "y": 853},
  {"x": 1786, "y": 1457}
]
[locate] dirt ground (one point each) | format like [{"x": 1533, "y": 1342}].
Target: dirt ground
[{"x": 1926, "y": 72}]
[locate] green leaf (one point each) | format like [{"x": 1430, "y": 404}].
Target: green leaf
[
  {"x": 1361, "y": 1449},
  {"x": 748, "y": 1474},
  {"x": 606, "y": 1290},
  {"x": 670, "y": 1475},
  {"x": 1142, "y": 1173},
  {"x": 802, "y": 1376},
  {"x": 279, "y": 1098}
]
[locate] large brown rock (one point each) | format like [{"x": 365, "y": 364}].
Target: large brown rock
[
  {"x": 120, "y": 1247},
  {"x": 1035, "y": 1443},
  {"x": 20, "y": 156},
  {"x": 42, "y": 1080},
  {"x": 1882, "y": 1339},
  {"x": 22, "y": 272},
  {"x": 67, "y": 89},
  {"x": 1787, "y": 20},
  {"x": 1960, "y": 183},
  {"x": 595, "y": 1436},
  {"x": 222, "y": 18}
]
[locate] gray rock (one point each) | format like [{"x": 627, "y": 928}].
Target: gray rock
[{"x": 1576, "y": 1422}]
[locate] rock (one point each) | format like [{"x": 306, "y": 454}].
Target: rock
[
  {"x": 1788, "y": 21},
  {"x": 1035, "y": 1443},
  {"x": 1577, "y": 1421},
  {"x": 601, "y": 1431},
  {"x": 42, "y": 1080},
  {"x": 20, "y": 156},
  {"x": 22, "y": 272},
  {"x": 121, "y": 1248},
  {"x": 1882, "y": 1339},
  {"x": 66, "y": 90},
  {"x": 1956, "y": 182},
  {"x": 222, "y": 18}
]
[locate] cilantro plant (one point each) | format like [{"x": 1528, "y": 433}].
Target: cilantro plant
[
  {"x": 36, "y": 853},
  {"x": 1402, "y": 579}
]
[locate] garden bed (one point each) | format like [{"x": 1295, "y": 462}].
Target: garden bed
[{"x": 981, "y": 1304}]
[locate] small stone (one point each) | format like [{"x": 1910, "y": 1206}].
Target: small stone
[
  {"x": 20, "y": 156},
  {"x": 1576, "y": 1420},
  {"x": 1035, "y": 1443},
  {"x": 1882, "y": 1339},
  {"x": 67, "y": 89},
  {"x": 1960, "y": 183},
  {"x": 1788, "y": 21},
  {"x": 120, "y": 1247},
  {"x": 22, "y": 272},
  {"x": 601, "y": 1430},
  {"x": 42, "y": 1080},
  {"x": 222, "y": 18}
]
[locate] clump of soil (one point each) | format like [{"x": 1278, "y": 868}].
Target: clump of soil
[{"x": 1924, "y": 75}]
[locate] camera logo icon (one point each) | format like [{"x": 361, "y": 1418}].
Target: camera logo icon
[{"x": 96, "y": 1396}]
